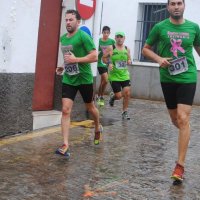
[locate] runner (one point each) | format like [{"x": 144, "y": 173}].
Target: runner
[
  {"x": 117, "y": 59},
  {"x": 104, "y": 43},
  {"x": 175, "y": 38},
  {"x": 78, "y": 51}
]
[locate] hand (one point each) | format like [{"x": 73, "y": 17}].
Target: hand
[
  {"x": 59, "y": 70},
  {"x": 129, "y": 62},
  {"x": 110, "y": 67},
  {"x": 70, "y": 58},
  {"x": 164, "y": 62}
]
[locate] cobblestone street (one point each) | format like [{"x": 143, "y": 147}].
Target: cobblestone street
[{"x": 133, "y": 162}]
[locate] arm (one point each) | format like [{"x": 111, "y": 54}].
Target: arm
[
  {"x": 107, "y": 54},
  {"x": 59, "y": 70},
  {"x": 129, "y": 57},
  {"x": 197, "y": 48},
  {"x": 147, "y": 52},
  {"x": 91, "y": 57}
]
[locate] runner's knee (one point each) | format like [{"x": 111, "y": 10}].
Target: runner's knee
[
  {"x": 66, "y": 111},
  {"x": 183, "y": 120},
  {"x": 118, "y": 96},
  {"x": 175, "y": 123},
  {"x": 126, "y": 94}
]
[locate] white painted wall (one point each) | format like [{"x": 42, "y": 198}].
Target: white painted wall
[
  {"x": 18, "y": 35},
  {"x": 192, "y": 13}
]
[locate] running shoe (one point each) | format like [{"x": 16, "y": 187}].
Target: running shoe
[
  {"x": 112, "y": 99},
  {"x": 125, "y": 115},
  {"x": 101, "y": 101},
  {"x": 98, "y": 101},
  {"x": 63, "y": 150},
  {"x": 178, "y": 172},
  {"x": 98, "y": 135}
]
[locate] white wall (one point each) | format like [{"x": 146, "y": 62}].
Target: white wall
[
  {"x": 192, "y": 13},
  {"x": 18, "y": 35},
  {"x": 121, "y": 16}
]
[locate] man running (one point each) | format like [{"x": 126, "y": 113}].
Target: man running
[
  {"x": 78, "y": 50},
  {"x": 175, "y": 38},
  {"x": 104, "y": 43},
  {"x": 117, "y": 59}
]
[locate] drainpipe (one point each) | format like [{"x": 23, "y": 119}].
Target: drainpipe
[{"x": 97, "y": 28}]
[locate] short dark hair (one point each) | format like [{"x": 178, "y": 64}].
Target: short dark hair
[
  {"x": 106, "y": 28},
  {"x": 169, "y": 1},
  {"x": 74, "y": 12}
]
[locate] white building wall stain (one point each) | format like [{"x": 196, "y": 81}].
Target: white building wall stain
[
  {"x": 7, "y": 37},
  {"x": 5, "y": 53},
  {"x": 19, "y": 35}
]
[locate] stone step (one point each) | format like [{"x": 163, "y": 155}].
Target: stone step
[{"x": 43, "y": 119}]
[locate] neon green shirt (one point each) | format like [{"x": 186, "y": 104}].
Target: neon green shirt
[
  {"x": 176, "y": 41},
  {"x": 80, "y": 44},
  {"x": 102, "y": 47},
  {"x": 120, "y": 71}
]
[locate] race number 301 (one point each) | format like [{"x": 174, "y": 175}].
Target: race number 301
[{"x": 178, "y": 66}]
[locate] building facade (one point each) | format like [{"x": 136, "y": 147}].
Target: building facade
[{"x": 30, "y": 92}]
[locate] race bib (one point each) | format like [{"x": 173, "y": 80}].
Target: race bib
[
  {"x": 178, "y": 66},
  {"x": 72, "y": 69},
  {"x": 121, "y": 64}
]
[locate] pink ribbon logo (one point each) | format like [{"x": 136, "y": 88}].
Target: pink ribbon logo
[{"x": 176, "y": 45}]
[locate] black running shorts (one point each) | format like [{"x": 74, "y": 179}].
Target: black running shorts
[
  {"x": 86, "y": 91},
  {"x": 178, "y": 93},
  {"x": 117, "y": 86},
  {"x": 102, "y": 70}
]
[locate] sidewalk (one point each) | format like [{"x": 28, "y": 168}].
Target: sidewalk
[{"x": 133, "y": 162}]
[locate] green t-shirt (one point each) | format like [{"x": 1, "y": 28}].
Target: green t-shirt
[
  {"x": 176, "y": 41},
  {"x": 80, "y": 44},
  {"x": 120, "y": 71},
  {"x": 102, "y": 47}
]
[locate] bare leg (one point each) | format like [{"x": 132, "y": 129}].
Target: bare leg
[
  {"x": 173, "y": 116},
  {"x": 181, "y": 119},
  {"x": 126, "y": 95},
  {"x": 103, "y": 84},
  {"x": 95, "y": 114},
  {"x": 65, "y": 120}
]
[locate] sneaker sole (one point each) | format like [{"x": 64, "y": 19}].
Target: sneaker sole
[
  {"x": 126, "y": 118},
  {"x": 177, "y": 182},
  {"x": 67, "y": 154},
  {"x": 176, "y": 178}
]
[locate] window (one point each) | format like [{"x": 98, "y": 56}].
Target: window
[{"x": 149, "y": 15}]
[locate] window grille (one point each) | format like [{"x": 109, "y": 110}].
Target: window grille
[{"x": 149, "y": 15}]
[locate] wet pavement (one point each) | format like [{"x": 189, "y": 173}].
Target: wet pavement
[{"x": 134, "y": 160}]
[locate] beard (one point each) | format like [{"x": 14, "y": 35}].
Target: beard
[
  {"x": 176, "y": 17},
  {"x": 176, "y": 14},
  {"x": 70, "y": 29}
]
